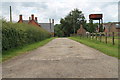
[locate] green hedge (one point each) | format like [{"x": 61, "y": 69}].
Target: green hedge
[{"x": 18, "y": 34}]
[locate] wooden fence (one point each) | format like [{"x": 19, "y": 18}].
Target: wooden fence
[{"x": 111, "y": 37}]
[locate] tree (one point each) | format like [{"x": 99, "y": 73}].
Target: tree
[
  {"x": 58, "y": 30},
  {"x": 91, "y": 27},
  {"x": 71, "y": 23}
]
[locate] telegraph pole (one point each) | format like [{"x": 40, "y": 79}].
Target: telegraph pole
[
  {"x": 10, "y": 14},
  {"x": 50, "y": 24}
]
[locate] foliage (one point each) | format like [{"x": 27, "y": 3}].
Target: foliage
[
  {"x": 71, "y": 23},
  {"x": 58, "y": 30},
  {"x": 91, "y": 27},
  {"x": 18, "y": 34}
]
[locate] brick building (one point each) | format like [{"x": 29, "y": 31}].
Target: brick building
[
  {"x": 30, "y": 21},
  {"x": 112, "y": 27},
  {"x": 81, "y": 31},
  {"x": 47, "y": 26}
]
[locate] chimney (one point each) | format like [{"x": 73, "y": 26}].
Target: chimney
[
  {"x": 29, "y": 18},
  {"x": 35, "y": 18},
  {"x": 20, "y": 17},
  {"x": 32, "y": 16},
  {"x": 49, "y": 20},
  {"x": 53, "y": 21}
]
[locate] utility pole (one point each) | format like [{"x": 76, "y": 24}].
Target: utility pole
[
  {"x": 50, "y": 24},
  {"x": 10, "y": 14}
]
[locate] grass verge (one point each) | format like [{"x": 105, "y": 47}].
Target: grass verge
[
  {"x": 20, "y": 50},
  {"x": 109, "y": 49}
]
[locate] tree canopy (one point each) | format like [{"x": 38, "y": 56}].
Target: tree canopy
[{"x": 71, "y": 23}]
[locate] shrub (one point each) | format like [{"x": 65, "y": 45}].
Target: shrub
[{"x": 19, "y": 34}]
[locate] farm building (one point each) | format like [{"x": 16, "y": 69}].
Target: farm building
[
  {"x": 47, "y": 26},
  {"x": 30, "y": 21},
  {"x": 112, "y": 27},
  {"x": 81, "y": 31}
]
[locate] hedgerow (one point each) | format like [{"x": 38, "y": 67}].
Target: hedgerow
[{"x": 19, "y": 34}]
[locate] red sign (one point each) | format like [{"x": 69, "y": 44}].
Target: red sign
[{"x": 95, "y": 16}]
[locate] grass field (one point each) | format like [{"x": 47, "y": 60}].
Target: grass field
[
  {"x": 20, "y": 50},
  {"x": 109, "y": 49}
]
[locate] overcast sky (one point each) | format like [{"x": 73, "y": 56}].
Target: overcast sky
[{"x": 57, "y": 9}]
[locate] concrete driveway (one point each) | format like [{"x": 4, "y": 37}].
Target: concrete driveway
[{"x": 62, "y": 58}]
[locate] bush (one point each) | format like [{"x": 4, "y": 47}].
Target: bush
[{"x": 17, "y": 34}]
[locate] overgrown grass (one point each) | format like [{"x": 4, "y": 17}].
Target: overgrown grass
[
  {"x": 109, "y": 49},
  {"x": 23, "y": 49}
]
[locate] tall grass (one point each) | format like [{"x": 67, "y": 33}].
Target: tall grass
[{"x": 18, "y": 34}]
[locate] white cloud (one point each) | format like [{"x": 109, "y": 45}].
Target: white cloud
[
  {"x": 60, "y": 0},
  {"x": 57, "y": 9}
]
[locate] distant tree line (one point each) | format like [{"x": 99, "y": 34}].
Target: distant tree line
[{"x": 71, "y": 23}]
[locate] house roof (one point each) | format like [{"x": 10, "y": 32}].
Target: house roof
[
  {"x": 25, "y": 21},
  {"x": 47, "y": 26},
  {"x": 107, "y": 25}
]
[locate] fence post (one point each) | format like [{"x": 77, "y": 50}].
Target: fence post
[
  {"x": 87, "y": 35},
  {"x": 81, "y": 36},
  {"x": 100, "y": 36},
  {"x": 106, "y": 37},
  {"x": 113, "y": 39},
  {"x": 92, "y": 35},
  {"x": 96, "y": 36}
]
